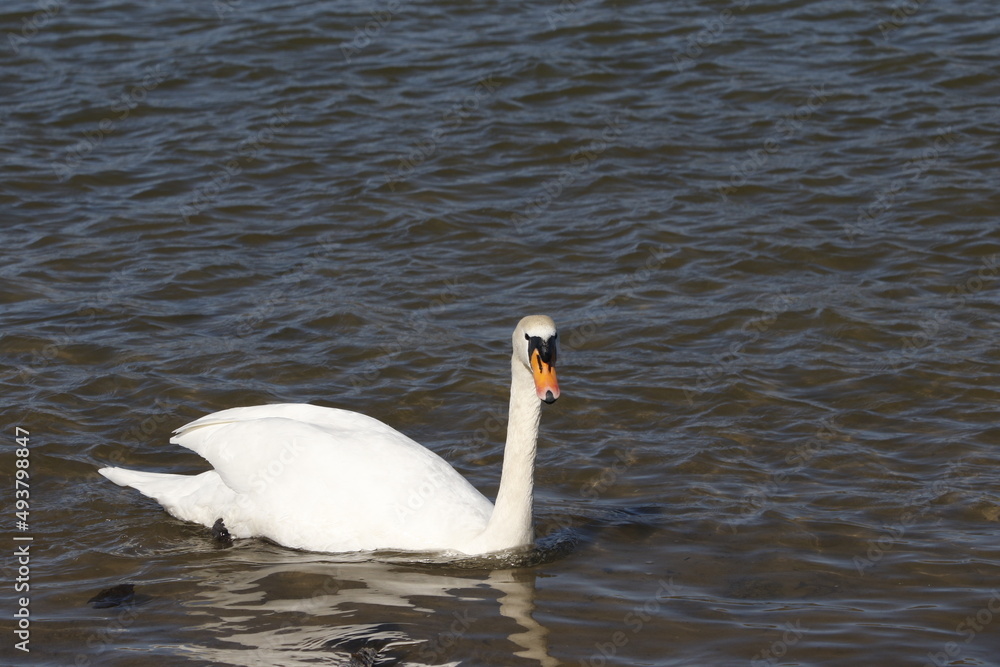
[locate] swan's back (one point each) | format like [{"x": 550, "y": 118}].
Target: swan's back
[{"x": 325, "y": 479}]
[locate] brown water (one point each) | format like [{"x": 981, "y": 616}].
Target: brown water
[{"x": 767, "y": 231}]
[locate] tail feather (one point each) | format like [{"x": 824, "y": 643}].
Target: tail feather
[{"x": 200, "y": 498}]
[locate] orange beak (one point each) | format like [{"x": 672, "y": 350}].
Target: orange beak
[{"x": 546, "y": 385}]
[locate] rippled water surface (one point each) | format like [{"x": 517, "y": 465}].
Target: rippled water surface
[{"x": 767, "y": 231}]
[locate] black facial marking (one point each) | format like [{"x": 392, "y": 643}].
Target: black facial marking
[{"x": 546, "y": 348}]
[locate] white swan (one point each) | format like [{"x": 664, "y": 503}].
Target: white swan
[{"x": 323, "y": 479}]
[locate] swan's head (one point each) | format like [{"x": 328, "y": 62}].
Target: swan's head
[{"x": 535, "y": 347}]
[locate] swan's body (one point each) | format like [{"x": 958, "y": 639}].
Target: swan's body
[{"x": 330, "y": 480}]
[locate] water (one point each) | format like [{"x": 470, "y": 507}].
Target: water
[{"x": 766, "y": 229}]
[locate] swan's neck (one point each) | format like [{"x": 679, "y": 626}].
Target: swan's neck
[{"x": 510, "y": 525}]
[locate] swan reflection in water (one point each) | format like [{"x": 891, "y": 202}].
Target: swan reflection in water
[{"x": 309, "y": 610}]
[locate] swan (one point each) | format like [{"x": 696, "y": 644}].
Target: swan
[{"x": 330, "y": 480}]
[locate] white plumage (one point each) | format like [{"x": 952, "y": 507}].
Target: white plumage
[{"x": 330, "y": 480}]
